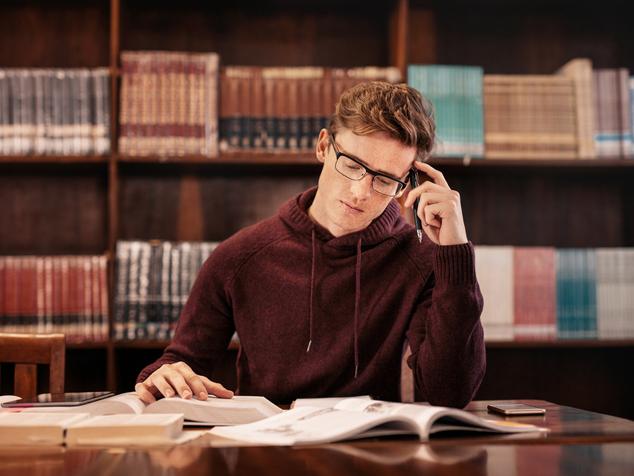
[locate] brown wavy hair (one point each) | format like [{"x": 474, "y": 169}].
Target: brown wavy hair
[{"x": 396, "y": 109}]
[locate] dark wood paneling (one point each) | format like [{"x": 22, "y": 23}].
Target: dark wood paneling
[
  {"x": 48, "y": 212},
  {"x": 61, "y": 34},
  {"x": 263, "y": 33},
  {"x": 591, "y": 378},
  {"x": 554, "y": 206},
  {"x": 85, "y": 369},
  {"x": 528, "y": 38},
  {"x": 84, "y": 372},
  {"x": 151, "y": 204}
]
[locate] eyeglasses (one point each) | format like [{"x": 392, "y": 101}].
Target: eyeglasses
[{"x": 353, "y": 169}]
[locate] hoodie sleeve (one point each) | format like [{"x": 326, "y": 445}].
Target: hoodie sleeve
[
  {"x": 205, "y": 325},
  {"x": 445, "y": 336}
]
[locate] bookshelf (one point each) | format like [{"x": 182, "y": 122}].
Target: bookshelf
[{"x": 75, "y": 205}]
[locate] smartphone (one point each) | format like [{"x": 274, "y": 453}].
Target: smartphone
[
  {"x": 515, "y": 409},
  {"x": 68, "y": 399}
]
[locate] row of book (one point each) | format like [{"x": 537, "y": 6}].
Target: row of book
[
  {"x": 44, "y": 294},
  {"x": 543, "y": 293},
  {"x": 530, "y": 293},
  {"x": 54, "y": 111},
  {"x": 169, "y": 104},
  {"x": 153, "y": 283},
  {"x": 182, "y": 104},
  {"x": 577, "y": 113},
  {"x": 284, "y": 108}
]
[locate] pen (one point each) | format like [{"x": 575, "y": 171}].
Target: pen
[{"x": 413, "y": 181}]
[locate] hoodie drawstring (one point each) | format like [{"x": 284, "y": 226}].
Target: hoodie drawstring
[
  {"x": 357, "y": 300},
  {"x": 357, "y": 303},
  {"x": 312, "y": 291}
]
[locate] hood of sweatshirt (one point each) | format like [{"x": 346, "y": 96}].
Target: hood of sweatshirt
[{"x": 294, "y": 214}]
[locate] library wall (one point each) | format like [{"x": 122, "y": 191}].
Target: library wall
[{"x": 64, "y": 205}]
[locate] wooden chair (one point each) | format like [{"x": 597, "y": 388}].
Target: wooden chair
[
  {"x": 407, "y": 377},
  {"x": 28, "y": 350}
]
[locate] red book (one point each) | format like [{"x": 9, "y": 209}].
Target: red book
[{"x": 535, "y": 294}]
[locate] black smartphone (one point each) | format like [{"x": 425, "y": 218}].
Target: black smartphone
[
  {"x": 515, "y": 409},
  {"x": 67, "y": 399}
]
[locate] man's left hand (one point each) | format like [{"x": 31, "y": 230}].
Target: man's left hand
[{"x": 439, "y": 208}]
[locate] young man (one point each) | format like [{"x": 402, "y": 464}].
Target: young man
[{"x": 324, "y": 295}]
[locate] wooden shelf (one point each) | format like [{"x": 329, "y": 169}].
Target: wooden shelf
[
  {"x": 608, "y": 163},
  {"x": 556, "y": 344},
  {"x": 140, "y": 344},
  {"x": 561, "y": 344},
  {"x": 154, "y": 344},
  {"x": 53, "y": 159},
  {"x": 307, "y": 158},
  {"x": 87, "y": 345},
  {"x": 285, "y": 158},
  {"x": 232, "y": 158}
]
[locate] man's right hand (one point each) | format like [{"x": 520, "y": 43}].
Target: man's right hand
[{"x": 179, "y": 379}]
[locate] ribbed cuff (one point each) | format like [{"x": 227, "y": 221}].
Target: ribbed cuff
[{"x": 455, "y": 264}]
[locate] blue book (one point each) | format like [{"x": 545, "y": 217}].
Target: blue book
[
  {"x": 576, "y": 294},
  {"x": 456, "y": 95}
]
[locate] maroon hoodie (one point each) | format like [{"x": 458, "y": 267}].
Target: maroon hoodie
[{"x": 321, "y": 316}]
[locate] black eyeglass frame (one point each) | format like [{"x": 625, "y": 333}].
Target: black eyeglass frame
[{"x": 368, "y": 170}]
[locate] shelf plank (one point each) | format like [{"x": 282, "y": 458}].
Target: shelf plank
[
  {"x": 155, "y": 344},
  {"x": 232, "y": 158},
  {"x": 556, "y": 344},
  {"x": 529, "y": 163},
  {"x": 561, "y": 344},
  {"x": 87, "y": 345},
  {"x": 53, "y": 159},
  {"x": 308, "y": 158}
]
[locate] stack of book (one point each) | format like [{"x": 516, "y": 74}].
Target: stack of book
[
  {"x": 66, "y": 294},
  {"x": 153, "y": 282},
  {"x": 577, "y": 113},
  {"x": 169, "y": 104},
  {"x": 545, "y": 293},
  {"x": 613, "y": 112},
  {"x": 284, "y": 108},
  {"x": 456, "y": 95},
  {"x": 54, "y": 111}
]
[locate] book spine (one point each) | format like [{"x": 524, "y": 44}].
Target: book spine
[
  {"x": 133, "y": 288},
  {"x": 122, "y": 296},
  {"x": 166, "y": 274},
  {"x": 144, "y": 275}
]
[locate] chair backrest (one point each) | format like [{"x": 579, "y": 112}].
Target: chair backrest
[
  {"x": 407, "y": 377},
  {"x": 28, "y": 350}
]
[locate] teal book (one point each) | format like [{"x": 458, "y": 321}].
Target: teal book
[
  {"x": 576, "y": 294},
  {"x": 455, "y": 93}
]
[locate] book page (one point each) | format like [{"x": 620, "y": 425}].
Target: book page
[
  {"x": 305, "y": 425},
  {"x": 328, "y": 402},
  {"x": 432, "y": 419}
]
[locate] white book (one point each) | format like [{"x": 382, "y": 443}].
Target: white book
[
  {"x": 21, "y": 428},
  {"x": 355, "y": 418},
  {"x": 494, "y": 269},
  {"x": 213, "y": 411},
  {"x": 145, "y": 429}
]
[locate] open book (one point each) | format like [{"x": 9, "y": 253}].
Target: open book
[
  {"x": 353, "y": 418},
  {"x": 213, "y": 411}
]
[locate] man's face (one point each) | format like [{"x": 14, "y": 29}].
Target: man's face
[{"x": 344, "y": 206}]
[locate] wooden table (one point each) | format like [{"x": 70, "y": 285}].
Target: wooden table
[{"x": 580, "y": 443}]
